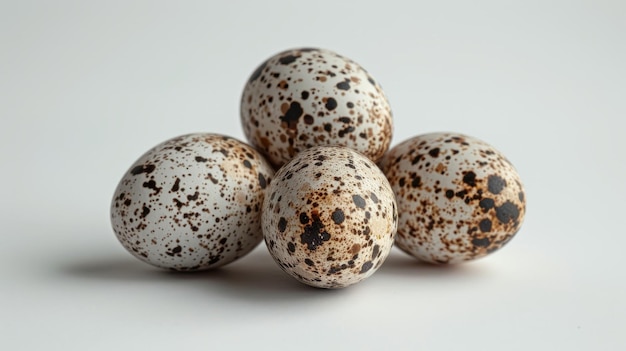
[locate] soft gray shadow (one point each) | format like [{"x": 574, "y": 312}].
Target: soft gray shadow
[
  {"x": 115, "y": 269},
  {"x": 255, "y": 277},
  {"x": 258, "y": 277},
  {"x": 405, "y": 266}
]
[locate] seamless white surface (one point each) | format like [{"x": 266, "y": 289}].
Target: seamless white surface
[{"x": 87, "y": 87}]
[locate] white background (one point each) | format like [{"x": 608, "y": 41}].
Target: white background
[{"x": 87, "y": 87}]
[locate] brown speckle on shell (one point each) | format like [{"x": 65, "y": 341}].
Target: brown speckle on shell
[
  {"x": 331, "y": 217},
  {"x": 192, "y": 202},
  {"x": 458, "y": 198},
  {"x": 302, "y": 98}
]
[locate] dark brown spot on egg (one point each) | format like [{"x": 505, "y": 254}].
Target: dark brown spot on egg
[
  {"x": 314, "y": 234},
  {"x": 338, "y": 216},
  {"x": 470, "y": 178},
  {"x": 374, "y": 198},
  {"x": 291, "y": 116},
  {"x": 176, "y": 185},
  {"x": 358, "y": 201},
  {"x": 262, "y": 181},
  {"x": 151, "y": 184},
  {"x": 366, "y": 267},
  {"x": 331, "y": 104},
  {"x": 304, "y": 219},
  {"x": 285, "y": 60},
  {"x": 507, "y": 212},
  {"x": 345, "y": 131},
  {"x": 481, "y": 242},
  {"x": 145, "y": 211},
  {"x": 415, "y": 183},
  {"x": 175, "y": 251},
  {"x": 345, "y": 85},
  {"x": 495, "y": 184},
  {"x": 212, "y": 179},
  {"x": 143, "y": 169},
  {"x": 282, "y": 224},
  {"x": 485, "y": 225},
  {"x": 434, "y": 152},
  {"x": 375, "y": 251},
  {"x": 486, "y": 203}
]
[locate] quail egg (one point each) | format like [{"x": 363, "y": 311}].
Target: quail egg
[
  {"x": 329, "y": 217},
  {"x": 458, "y": 198},
  {"x": 192, "y": 202},
  {"x": 307, "y": 97}
]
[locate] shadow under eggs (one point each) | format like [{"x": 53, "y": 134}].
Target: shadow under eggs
[{"x": 401, "y": 264}]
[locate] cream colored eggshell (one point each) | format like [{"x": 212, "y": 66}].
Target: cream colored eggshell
[
  {"x": 306, "y": 97},
  {"x": 329, "y": 217},
  {"x": 192, "y": 202},
  {"x": 458, "y": 198}
]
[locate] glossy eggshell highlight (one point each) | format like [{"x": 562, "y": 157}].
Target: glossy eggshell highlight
[
  {"x": 329, "y": 217},
  {"x": 458, "y": 198},
  {"x": 306, "y": 97},
  {"x": 192, "y": 202}
]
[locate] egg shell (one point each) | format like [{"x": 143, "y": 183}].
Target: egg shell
[
  {"x": 458, "y": 198},
  {"x": 192, "y": 202},
  {"x": 329, "y": 217},
  {"x": 307, "y": 97}
]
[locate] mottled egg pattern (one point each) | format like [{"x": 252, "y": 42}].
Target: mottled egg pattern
[
  {"x": 458, "y": 198},
  {"x": 309, "y": 97},
  {"x": 329, "y": 218},
  {"x": 192, "y": 202}
]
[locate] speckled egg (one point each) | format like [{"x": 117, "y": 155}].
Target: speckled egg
[
  {"x": 306, "y": 97},
  {"x": 329, "y": 218},
  {"x": 192, "y": 202},
  {"x": 458, "y": 198}
]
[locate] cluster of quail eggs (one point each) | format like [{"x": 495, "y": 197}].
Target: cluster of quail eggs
[{"x": 317, "y": 182}]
